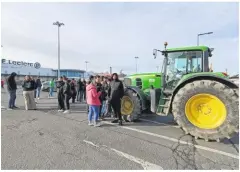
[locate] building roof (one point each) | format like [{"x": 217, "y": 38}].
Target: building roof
[{"x": 74, "y": 70}]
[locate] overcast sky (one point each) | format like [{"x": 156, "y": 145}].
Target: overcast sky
[{"x": 112, "y": 34}]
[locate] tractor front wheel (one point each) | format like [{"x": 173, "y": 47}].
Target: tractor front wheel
[
  {"x": 207, "y": 109},
  {"x": 130, "y": 106}
]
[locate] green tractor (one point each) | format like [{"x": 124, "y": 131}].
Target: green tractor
[
  {"x": 144, "y": 81},
  {"x": 203, "y": 103}
]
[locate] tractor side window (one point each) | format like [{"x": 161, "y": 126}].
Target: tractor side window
[
  {"x": 181, "y": 63},
  {"x": 139, "y": 83},
  {"x": 194, "y": 61}
]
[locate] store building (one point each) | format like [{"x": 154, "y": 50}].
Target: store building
[{"x": 35, "y": 69}]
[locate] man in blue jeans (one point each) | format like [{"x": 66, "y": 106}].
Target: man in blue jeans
[{"x": 12, "y": 88}]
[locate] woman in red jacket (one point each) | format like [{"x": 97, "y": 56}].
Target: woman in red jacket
[{"x": 94, "y": 104}]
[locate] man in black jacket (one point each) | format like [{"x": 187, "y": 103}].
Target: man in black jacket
[
  {"x": 79, "y": 90},
  {"x": 67, "y": 94},
  {"x": 12, "y": 88},
  {"x": 60, "y": 94},
  {"x": 116, "y": 92}
]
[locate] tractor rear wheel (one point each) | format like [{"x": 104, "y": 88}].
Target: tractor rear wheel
[
  {"x": 207, "y": 109},
  {"x": 130, "y": 106}
]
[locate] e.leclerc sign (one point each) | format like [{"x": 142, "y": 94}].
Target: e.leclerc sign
[{"x": 21, "y": 63}]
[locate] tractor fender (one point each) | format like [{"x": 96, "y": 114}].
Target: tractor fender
[
  {"x": 201, "y": 77},
  {"x": 142, "y": 96}
]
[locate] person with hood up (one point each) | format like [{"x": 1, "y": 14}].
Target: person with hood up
[
  {"x": 116, "y": 92},
  {"x": 12, "y": 88},
  {"x": 93, "y": 103},
  {"x": 28, "y": 93}
]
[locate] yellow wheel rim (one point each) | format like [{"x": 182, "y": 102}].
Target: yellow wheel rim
[
  {"x": 127, "y": 106},
  {"x": 205, "y": 111}
]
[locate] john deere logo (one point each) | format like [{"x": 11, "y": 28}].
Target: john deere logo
[{"x": 37, "y": 65}]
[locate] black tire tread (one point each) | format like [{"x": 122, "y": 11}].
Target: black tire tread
[
  {"x": 137, "y": 106},
  {"x": 230, "y": 98}
]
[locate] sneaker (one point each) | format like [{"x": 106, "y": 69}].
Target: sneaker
[
  {"x": 15, "y": 107},
  {"x": 90, "y": 123},
  {"x": 120, "y": 122},
  {"x": 66, "y": 112},
  {"x": 96, "y": 124},
  {"x": 114, "y": 121},
  {"x": 60, "y": 110}
]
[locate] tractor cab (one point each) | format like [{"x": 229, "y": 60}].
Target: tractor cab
[{"x": 183, "y": 61}]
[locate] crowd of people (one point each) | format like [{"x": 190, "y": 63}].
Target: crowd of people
[{"x": 101, "y": 94}]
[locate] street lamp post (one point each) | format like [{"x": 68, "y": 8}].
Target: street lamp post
[
  {"x": 136, "y": 63},
  {"x": 58, "y": 24},
  {"x": 86, "y": 66},
  {"x": 201, "y": 34},
  {"x": 157, "y": 68}
]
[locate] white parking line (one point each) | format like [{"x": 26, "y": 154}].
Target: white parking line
[
  {"x": 145, "y": 164},
  {"x": 178, "y": 141},
  {"x": 155, "y": 122}
]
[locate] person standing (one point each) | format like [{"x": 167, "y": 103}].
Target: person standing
[
  {"x": 99, "y": 88},
  {"x": 35, "y": 88},
  {"x": 84, "y": 89},
  {"x": 67, "y": 94},
  {"x": 51, "y": 87},
  {"x": 38, "y": 85},
  {"x": 28, "y": 93},
  {"x": 94, "y": 103},
  {"x": 60, "y": 95},
  {"x": 12, "y": 88},
  {"x": 79, "y": 90},
  {"x": 2, "y": 83},
  {"x": 104, "y": 97},
  {"x": 116, "y": 90},
  {"x": 73, "y": 90}
]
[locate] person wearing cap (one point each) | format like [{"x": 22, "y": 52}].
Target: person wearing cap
[
  {"x": 116, "y": 92},
  {"x": 12, "y": 88}
]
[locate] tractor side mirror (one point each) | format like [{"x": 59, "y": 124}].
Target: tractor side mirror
[{"x": 154, "y": 53}]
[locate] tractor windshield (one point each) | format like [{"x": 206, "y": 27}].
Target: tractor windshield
[{"x": 181, "y": 63}]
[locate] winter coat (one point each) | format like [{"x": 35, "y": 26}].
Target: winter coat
[
  {"x": 66, "y": 89},
  {"x": 28, "y": 85},
  {"x": 105, "y": 88},
  {"x": 38, "y": 83},
  {"x": 80, "y": 85},
  {"x": 116, "y": 90},
  {"x": 60, "y": 85},
  {"x": 93, "y": 95},
  {"x": 11, "y": 83}
]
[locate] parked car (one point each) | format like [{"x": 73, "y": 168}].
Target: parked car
[{"x": 46, "y": 86}]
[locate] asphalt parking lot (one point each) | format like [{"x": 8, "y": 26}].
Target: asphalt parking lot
[{"x": 46, "y": 139}]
